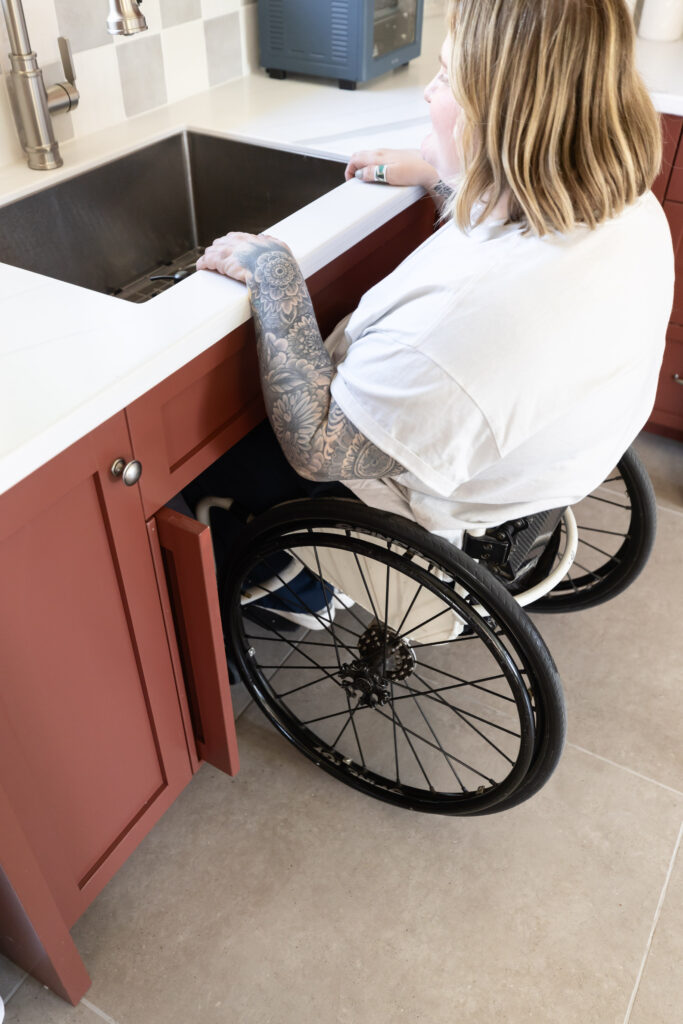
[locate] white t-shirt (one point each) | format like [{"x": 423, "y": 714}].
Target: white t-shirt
[{"x": 507, "y": 373}]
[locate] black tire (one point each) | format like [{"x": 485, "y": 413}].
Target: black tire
[
  {"x": 617, "y": 524},
  {"x": 500, "y": 742}
]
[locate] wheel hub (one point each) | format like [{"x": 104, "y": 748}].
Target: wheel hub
[
  {"x": 384, "y": 650},
  {"x": 384, "y": 658}
]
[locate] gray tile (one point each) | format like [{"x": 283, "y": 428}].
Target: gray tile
[
  {"x": 620, "y": 665},
  {"x": 282, "y": 889},
  {"x": 83, "y": 24},
  {"x": 11, "y": 977},
  {"x": 175, "y": 12},
  {"x": 141, "y": 66},
  {"x": 35, "y": 1004},
  {"x": 223, "y": 48},
  {"x": 661, "y": 986}
]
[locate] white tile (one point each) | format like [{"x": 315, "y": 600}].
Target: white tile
[
  {"x": 99, "y": 83},
  {"x": 249, "y": 27},
  {"x": 214, "y": 8},
  {"x": 185, "y": 63},
  {"x": 152, "y": 12}
]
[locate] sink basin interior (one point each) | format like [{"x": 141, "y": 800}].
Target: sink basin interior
[{"x": 147, "y": 213}]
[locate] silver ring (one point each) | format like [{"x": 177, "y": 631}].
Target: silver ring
[{"x": 381, "y": 174}]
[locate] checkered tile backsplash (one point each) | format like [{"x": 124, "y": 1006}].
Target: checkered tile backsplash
[{"x": 189, "y": 45}]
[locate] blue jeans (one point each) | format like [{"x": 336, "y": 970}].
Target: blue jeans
[{"x": 257, "y": 476}]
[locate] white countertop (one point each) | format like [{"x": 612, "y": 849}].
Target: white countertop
[{"x": 70, "y": 358}]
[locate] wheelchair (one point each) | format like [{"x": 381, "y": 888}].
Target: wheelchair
[{"x": 425, "y": 683}]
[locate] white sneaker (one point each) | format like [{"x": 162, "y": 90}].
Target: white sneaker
[{"x": 303, "y": 620}]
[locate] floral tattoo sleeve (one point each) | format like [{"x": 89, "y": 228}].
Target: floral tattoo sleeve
[{"x": 296, "y": 372}]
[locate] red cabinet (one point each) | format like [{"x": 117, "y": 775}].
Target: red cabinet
[
  {"x": 114, "y": 684},
  {"x": 667, "y": 415}
]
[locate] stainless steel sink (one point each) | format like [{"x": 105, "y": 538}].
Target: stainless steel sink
[{"x": 149, "y": 213}]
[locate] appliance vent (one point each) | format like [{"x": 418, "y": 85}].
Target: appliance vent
[
  {"x": 340, "y": 29},
  {"x": 276, "y": 24}
]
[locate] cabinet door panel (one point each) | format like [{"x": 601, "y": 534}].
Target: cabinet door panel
[
  {"x": 675, "y": 189},
  {"x": 667, "y": 415},
  {"x": 185, "y": 423},
  {"x": 188, "y": 555},
  {"x": 671, "y": 133},
  {"x": 92, "y": 738},
  {"x": 674, "y": 213}
]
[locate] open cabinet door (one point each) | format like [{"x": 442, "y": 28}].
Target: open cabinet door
[{"x": 187, "y": 555}]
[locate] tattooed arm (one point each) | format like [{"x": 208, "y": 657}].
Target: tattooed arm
[{"x": 296, "y": 371}]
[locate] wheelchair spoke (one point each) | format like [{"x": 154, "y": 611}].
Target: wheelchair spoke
[
  {"x": 432, "y": 618},
  {"x": 470, "y": 767},
  {"x": 293, "y": 644},
  {"x": 308, "y": 610},
  {"x": 386, "y": 628},
  {"x": 405, "y": 733},
  {"x": 328, "y": 603},
  {"x": 443, "y": 643},
  {"x": 606, "y": 501},
  {"x": 412, "y": 603},
  {"x": 594, "y": 529},
  {"x": 599, "y": 550},
  {"x": 429, "y": 726},
  {"x": 305, "y": 686},
  {"x": 355, "y": 730},
  {"x": 475, "y": 686},
  {"x": 589, "y": 572},
  {"x": 469, "y": 714},
  {"x": 349, "y": 721},
  {"x": 365, "y": 583},
  {"x": 395, "y": 739}
]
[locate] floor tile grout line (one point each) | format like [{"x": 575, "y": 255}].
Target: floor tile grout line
[
  {"x": 16, "y": 988},
  {"x": 100, "y": 1013},
  {"x": 658, "y": 911},
  {"x": 625, "y": 768}
]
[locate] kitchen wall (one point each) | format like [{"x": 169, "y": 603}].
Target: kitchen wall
[{"x": 189, "y": 46}]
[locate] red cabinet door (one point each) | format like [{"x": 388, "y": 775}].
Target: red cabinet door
[
  {"x": 92, "y": 744},
  {"x": 675, "y": 189},
  {"x": 674, "y": 214},
  {"x": 671, "y": 133}
]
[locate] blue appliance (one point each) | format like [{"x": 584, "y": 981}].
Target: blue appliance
[{"x": 351, "y": 40}]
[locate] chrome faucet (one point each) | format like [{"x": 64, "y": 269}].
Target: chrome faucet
[
  {"x": 32, "y": 104},
  {"x": 125, "y": 18}
]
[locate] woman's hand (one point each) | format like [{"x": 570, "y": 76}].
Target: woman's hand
[
  {"x": 235, "y": 254},
  {"x": 402, "y": 167}
]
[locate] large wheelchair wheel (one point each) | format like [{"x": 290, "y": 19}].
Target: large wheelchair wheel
[
  {"x": 616, "y": 524},
  {"x": 429, "y": 688}
]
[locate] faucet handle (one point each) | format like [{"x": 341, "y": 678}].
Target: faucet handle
[
  {"x": 67, "y": 59},
  {"x": 64, "y": 96}
]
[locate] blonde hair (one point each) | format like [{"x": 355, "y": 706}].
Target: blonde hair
[{"x": 553, "y": 111}]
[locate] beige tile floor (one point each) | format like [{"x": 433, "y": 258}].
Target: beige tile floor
[{"x": 282, "y": 896}]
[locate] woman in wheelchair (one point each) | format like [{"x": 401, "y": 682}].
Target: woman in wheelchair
[{"x": 499, "y": 372}]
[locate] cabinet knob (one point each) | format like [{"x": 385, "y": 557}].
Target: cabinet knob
[
  {"x": 679, "y": 380},
  {"x": 130, "y": 472}
]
